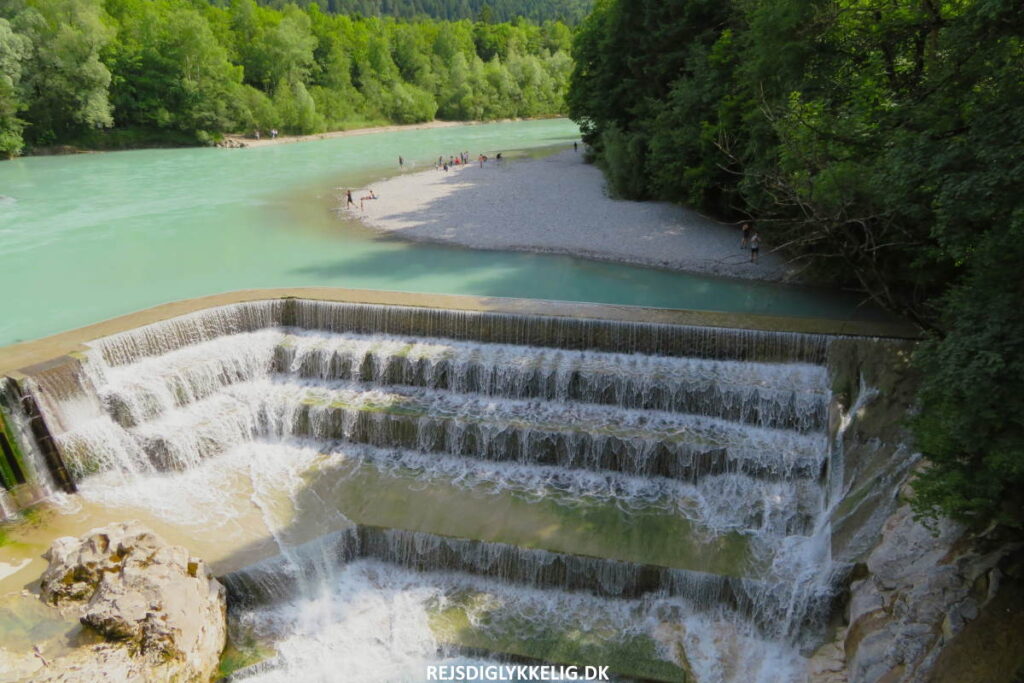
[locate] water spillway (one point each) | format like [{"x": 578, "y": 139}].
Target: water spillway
[{"x": 494, "y": 483}]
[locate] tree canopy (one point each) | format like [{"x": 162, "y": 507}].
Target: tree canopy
[
  {"x": 488, "y": 11},
  {"x": 876, "y": 143},
  {"x": 69, "y": 68}
]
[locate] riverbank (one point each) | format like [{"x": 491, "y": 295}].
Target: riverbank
[
  {"x": 123, "y": 139},
  {"x": 558, "y": 204},
  {"x": 98, "y": 140},
  {"x": 265, "y": 140}
]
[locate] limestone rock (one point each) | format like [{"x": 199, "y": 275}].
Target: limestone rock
[
  {"x": 104, "y": 662},
  {"x": 159, "y": 606},
  {"x": 828, "y": 663},
  {"x": 920, "y": 592},
  {"x": 914, "y": 590}
]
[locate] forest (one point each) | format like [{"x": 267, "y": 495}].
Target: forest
[
  {"x": 877, "y": 143},
  {"x": 489, "y": 11},
  {"x": 108, "y": 73}
]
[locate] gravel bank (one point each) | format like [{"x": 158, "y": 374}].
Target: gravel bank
[
  {"x": 556, "y": 204},
  {"x": 266, "y": 140}
]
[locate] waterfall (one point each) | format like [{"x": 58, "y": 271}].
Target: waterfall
[
  {"x": 275, "y": 580},
  {"x": 28, "y": 476},
  {"x": 663, "y": 483}
]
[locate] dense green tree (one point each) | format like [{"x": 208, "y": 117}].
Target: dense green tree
[
  {"x": 876, "y": 142},
  {"x": 64, "y": 83},
  {"x": 170, "y": 71},
  {"x": 196, "y": 70},
  {"x": 485, "y": 11},
  {"x": 14, "y": 49},
  {"x": 273, "y": 47}
]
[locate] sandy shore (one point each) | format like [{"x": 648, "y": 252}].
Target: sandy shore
[
  {"x": 265, "y": 139},
  {"x": 557, "y": 204}
]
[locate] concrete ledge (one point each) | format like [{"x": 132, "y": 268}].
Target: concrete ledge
[{"x": 25, "y": 354}]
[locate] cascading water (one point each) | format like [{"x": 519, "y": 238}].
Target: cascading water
[
  {"x": 26, "y": 474},
  {"x": 439, "y": 485}
]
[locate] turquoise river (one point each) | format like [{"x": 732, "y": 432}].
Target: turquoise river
[{"x": 88, "y": 237}]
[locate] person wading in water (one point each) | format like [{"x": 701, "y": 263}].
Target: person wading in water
[{"x": 348, "y": 199}]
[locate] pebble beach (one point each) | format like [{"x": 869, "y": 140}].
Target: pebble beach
[{"x": 556, "y": 204}]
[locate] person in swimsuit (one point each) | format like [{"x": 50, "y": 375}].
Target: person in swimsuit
[{"x": 364, "y": 198}]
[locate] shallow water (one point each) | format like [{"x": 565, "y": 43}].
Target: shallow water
[{"x": 88, "y": 237}]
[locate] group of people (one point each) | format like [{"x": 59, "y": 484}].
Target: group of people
[
  {"x": 460, "y": 159},
  {"x": 273, "y": 133},
  {"x": 454, "y": 160},
  {"x": 750, "y": 240}
]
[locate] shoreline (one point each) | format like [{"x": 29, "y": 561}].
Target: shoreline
[
  {"x": 557, "y": 205},
  {"x": 242, "y": 141},
  {"x": 245, "y": 141}
]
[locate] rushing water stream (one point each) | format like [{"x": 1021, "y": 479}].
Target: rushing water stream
[
  {"x": 380, "y": 495},
  {"x": 87, "y": 237}
]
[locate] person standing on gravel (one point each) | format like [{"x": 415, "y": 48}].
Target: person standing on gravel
[
  {"x": 755, "y": 247},
  {"x": 745, "y": 228}
]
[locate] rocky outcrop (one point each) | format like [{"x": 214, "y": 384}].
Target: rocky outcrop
[
  {"x": 922, "y": 587},
  {"x": 231, "y": 143},
  {"x": 160, "y": 614},
  {"x": 873, "y": 388},
  {"x": 913, "y": 588}
]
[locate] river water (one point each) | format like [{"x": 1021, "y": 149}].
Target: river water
[{"x": 88, "y": 237}]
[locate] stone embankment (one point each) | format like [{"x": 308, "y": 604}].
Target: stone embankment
[{"x": 152, "y": 611}]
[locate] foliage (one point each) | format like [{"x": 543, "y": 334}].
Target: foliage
[
  {"x": 971, "y": 423},
  {"x": 63, "y": 81},
  {"x": 877, "y": 144},
  {"x": 14, "y": 50},
  {"x": 192, "y": 70},
  {"x": 487, "y": 11}
]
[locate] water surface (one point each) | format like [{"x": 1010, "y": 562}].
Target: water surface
[{"x": 88, "y": 237}]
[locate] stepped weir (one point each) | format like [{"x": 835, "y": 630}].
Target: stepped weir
[{"x": 585, "y": 485}]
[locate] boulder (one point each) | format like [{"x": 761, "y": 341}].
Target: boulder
[{"x": 156, "y": 608}]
